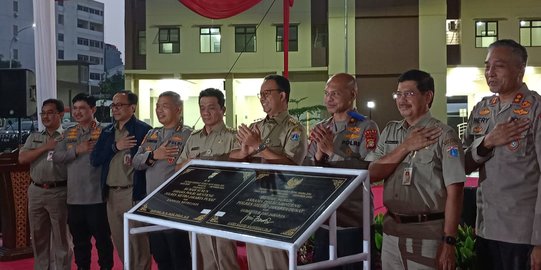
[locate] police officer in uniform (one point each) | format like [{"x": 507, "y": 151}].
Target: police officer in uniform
[
  {"x": 504, "y": 131},
  {"x": 343, "y": 141},
  {"x": 158, "y": 155},
  {"x": 421, "y": 162},
  {"x": 278, "y": 138},
  {"x": 47, "y": 210},
  {"x": 87, "y": 212},
  {"x": 214, "y": 141}
]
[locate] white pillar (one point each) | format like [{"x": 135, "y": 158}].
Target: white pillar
[{"x": 45, "y": 50}]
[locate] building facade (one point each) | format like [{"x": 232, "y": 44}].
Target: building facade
[
  {"x": 16, "y": 32},
  {"x": 80, "y": 34},
  {"x": 169, "y": 47}
]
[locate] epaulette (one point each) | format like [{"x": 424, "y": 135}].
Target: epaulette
[
  {"x": 293, "y": 121},
  {"x": 357, "y": 116}
]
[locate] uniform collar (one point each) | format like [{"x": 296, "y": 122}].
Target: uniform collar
[
  {"x": 279, "y": 118},
  {"x": 423, "y": 121},
  {"x": 59, "y": 130},
  {"x": 217, "y": 128}
]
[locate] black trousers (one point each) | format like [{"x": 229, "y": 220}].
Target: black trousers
[
  {"x": 349, "y": 242},
  {"x": 86, "y": 221},
  {"x": 171, "y": 249},
  {"x": 496, "y": 255}
]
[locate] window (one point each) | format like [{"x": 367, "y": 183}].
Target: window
[
  {"x": 530, "y": 33},
  {"x": 210, "y": 40},
  {"x": 169, "y": 39},
  {"x": 60, "y": 54},
  {"x": 82, "y": 57},
  {"x": 82, "y": 41},
  {"x": 82, "y": 24},
  {"x": 94, "y": 60},
  {"x": 60, "y": 3},
  {"x": 95, "y": 76},
  {"x": 142, "y": 37},
  {"x": 486, "y": 32},
  {"x": 60, "y": 37},
  {"x": 15, "y": 30},
  {"x": 293, "y": 38},
  {"x": 95, "y": 43},
  {"x": 245, "y": 39},
  {"x": 15, "y": 6},
  {"x": 60, "y": 19}
]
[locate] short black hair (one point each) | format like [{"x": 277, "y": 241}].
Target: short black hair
[
  {"x": 424, "y": 80},
  {"x": 132, "y": 97},
  {"x": 56, "y": 102},
  {"x": 213, "y": 92},
  {"x": 517, "y": 49},
  {"x": 90, "y": 100},
  {"x": 281, "y": 81}
]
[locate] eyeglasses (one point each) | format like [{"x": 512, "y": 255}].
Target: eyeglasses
[
  {"x": 405, "y": 94},
  {"x": 332, "y": 94},
  {"x": 266, "y": 93},
  {"x": 47, "y": 114},
  {"x": 118, "y": 105}
]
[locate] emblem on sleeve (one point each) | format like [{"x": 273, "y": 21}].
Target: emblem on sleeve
[
  {"x": 453, "y": 151},
  {"x": 371, "y": 137},
  {"x": 295, "y": 136}
]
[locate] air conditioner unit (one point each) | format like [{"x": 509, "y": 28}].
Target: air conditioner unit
[{"x": 452, "y": 26}]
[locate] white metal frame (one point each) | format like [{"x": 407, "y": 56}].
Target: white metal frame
[{"x": 361, "y": 179}]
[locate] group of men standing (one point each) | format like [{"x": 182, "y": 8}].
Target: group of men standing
[{"x": 100, "y": 172}]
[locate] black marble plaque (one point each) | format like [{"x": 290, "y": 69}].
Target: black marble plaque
[
  {"x": 279, "y": 205},
  {"x": 195, "y": 193}
]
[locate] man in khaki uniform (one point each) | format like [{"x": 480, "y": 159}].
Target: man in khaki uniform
[
  {"x": 214, "y": 141},
  {"x": 421, "y": 162},
  {"x": 87, "y": 212},
  {"x": 279, "y": 139},
  {"x": 343, "y": 141},
  {"x": 504, "y": 131},
  {"x": 47, "y": 209},
  {"x": 158, "y": 155}
]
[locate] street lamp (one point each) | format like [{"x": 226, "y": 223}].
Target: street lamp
[
  {"x": 371, "y": 105},
  {"x": 13, "y": 41}
]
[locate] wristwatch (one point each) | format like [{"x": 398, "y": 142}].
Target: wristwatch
[
  {"x": 450, "y": 240},
  {"x": 260, "y": 148}
]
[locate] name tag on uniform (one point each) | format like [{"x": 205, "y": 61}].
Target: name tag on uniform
[
  {"x": 406, "y": 176},
  {"x": 127, "y": 159}
]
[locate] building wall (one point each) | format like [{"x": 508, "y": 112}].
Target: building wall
[
  {"x": 508, "y": 14},
  {"x": 188, "y": 70},
  {"x": 25, "y": 39},
  {"x": 387, "y": 44},
  {"x": 71, "y": 31}
]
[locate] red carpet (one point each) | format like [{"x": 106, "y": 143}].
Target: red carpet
[{"x": 28, "y": 264}]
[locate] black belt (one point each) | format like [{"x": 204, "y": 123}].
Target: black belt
[
  {"x": 48, "y": 185},
  {"x": 398, "y": 218},
  {"x": 120, "y": 187}
]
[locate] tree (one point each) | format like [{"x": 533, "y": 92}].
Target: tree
[{"x": 109, "y": 86}]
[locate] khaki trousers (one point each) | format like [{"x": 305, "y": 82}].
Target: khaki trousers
[
  {"x": 260, "y": 257},
  {"x": 48, "y": 218},
  {"x": 217, "y": 253},
  {"x": 120, "y": 201},
  {"x": 408, "y": 253}
]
